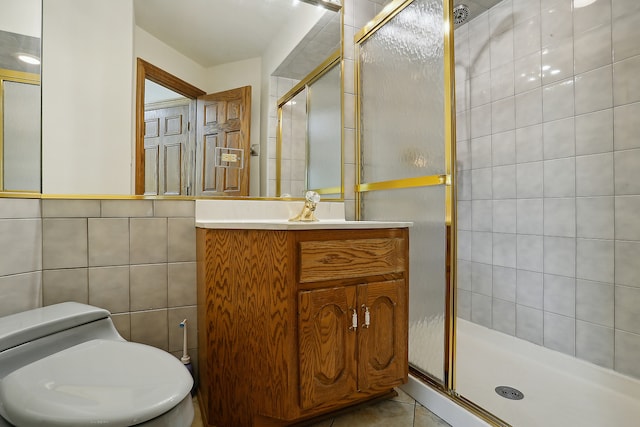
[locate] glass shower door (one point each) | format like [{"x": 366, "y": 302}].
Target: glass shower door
[{"x": 405, "y": 158}]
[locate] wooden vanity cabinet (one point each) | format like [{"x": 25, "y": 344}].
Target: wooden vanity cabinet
[{"x": 293, "y": 324}]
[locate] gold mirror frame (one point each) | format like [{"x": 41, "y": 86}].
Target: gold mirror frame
[
  {"x": 17, "y": 77},
  {"x": 332, "y": 61}
]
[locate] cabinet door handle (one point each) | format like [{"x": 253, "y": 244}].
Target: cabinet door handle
[
  {"x": 354, "y": 320},
  {"x": 367, "y": 316}
]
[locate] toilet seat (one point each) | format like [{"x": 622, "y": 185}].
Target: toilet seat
[{"x": 110, "y": 383}]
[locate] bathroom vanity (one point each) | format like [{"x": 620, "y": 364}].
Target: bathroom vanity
[{"x": 296, "y": 320}]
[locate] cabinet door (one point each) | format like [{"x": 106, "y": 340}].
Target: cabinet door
[
  {"x": 383, "y": 341},
  {"x": 327, "y": 340}
]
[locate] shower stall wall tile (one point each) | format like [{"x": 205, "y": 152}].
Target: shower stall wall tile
[
  {"x": 529, "y": 289},
  {"x": 627, "y": 267},
  {"x": 530, "y": 253},
  {"x": 594, "y": 15},
  {"x": 626, "y": 127},
  {"x": 559, "y": 333},
  {"x": 526, "y": 36},
  {"x": 595, "y": 217},
  {"x": 504, "y": 316},
  {"x": 529, "y": 324},
  {"x": 504, "y": 283},
  {"x": 530, "y": 216},
  {"x": 559, "y": 138},
  {"x": 557, "y": 61},
  {"x": 595, "y": 260},
  {"x": 529, "y": 144},
  {"x": 595, "y": 302},
  {"x": 595, "y": 344},
  {"x": 558, "y": 100},
  {"x": 627, "y": 348},
  {"x": 592, "y": 48},
  {"x": 627, "y": 226},
  {"x": 594, "y": 132},
  {"x": 560, "y": 256},
  {"x": 626, "y": 85},
  {"x": 593, "y": 90},
  {"x": 527, "y": 77},
  {"x": 560, "y": 295},
  {"x": 627, "y": 172},
  {"x": 627, "y": 309},
  {"x": 625, "y": 35}
]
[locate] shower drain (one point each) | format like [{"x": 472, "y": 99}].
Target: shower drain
[{"x": 509, "y": 392}]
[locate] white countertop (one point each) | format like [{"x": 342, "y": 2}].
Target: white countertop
[
  {"x": 290, "y": 225},
  {"x": 275, "y": 214}
]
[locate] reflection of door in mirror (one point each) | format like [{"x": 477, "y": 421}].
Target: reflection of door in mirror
[
  {"x": 190, "y": 148},
  {"x": 223, "y": 143},
  {"x": 168, "y": 142}
]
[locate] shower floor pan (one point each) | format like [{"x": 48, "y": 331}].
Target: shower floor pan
[{"x": 559, "y": 390}]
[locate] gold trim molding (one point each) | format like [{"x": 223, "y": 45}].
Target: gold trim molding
[{"x": 396, "y": 184}]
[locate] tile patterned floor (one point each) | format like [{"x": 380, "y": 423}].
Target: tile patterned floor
[{"x": 400, "y": 411}]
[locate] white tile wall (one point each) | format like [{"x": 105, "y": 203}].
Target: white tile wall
[{"x": 548, "y": 102}]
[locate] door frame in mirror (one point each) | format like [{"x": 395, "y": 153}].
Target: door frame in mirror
[{"x": 148, "y": 71}]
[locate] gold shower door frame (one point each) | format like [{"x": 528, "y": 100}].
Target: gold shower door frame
[{"x": 449, "y": 180}]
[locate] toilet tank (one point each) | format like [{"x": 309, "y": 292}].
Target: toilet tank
[{"x": 33, "y": 334}]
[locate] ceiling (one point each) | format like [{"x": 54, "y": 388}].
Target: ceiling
[
  {"x": 11, "y": 45},
  {"x": 214, "y": 32}
]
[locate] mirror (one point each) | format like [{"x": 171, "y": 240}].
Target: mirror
[
  {"x": 20, "y": 96},
  {"x": 89, "y": 78}
]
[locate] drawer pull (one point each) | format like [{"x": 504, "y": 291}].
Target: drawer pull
[
  {"x": 354, "y": 320},
  {"x": 367, "y": 316}
]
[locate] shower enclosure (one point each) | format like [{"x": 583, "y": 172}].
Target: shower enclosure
[
  {"x": 527, "y": 248},
  {"x": 405, "y": 165}
]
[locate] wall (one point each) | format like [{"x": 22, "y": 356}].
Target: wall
[
  {"x": 21, "y": 17},
  {"x": 93, "y": 141},
  {"x": 135, "y": 258},
  {"x": 549, "y": 157},
  {"x": 234, "y": 75},
  {"x": 170, "y": 60}
]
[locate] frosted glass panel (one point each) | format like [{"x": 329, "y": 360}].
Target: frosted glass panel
[
  {"x": 324, "y": 162},
  {"x": 21, "y": 136},
  {"x": 402, "y": 136},
  {"x": 425, "y": 207},
  {"x": 402, "y": 90}
]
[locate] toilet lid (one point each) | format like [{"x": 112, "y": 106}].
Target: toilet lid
[{"x": 109, "y": 383}]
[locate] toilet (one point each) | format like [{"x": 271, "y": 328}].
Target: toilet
[{"x": 66, "y": 365}]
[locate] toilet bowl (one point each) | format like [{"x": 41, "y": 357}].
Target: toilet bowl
[{"x": 66, "y": 365}]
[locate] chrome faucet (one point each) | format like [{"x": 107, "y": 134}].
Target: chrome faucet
[{"x": 311, "y": 199}]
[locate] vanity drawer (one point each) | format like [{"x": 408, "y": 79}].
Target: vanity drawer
[{"x": 342, "y": 259}]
